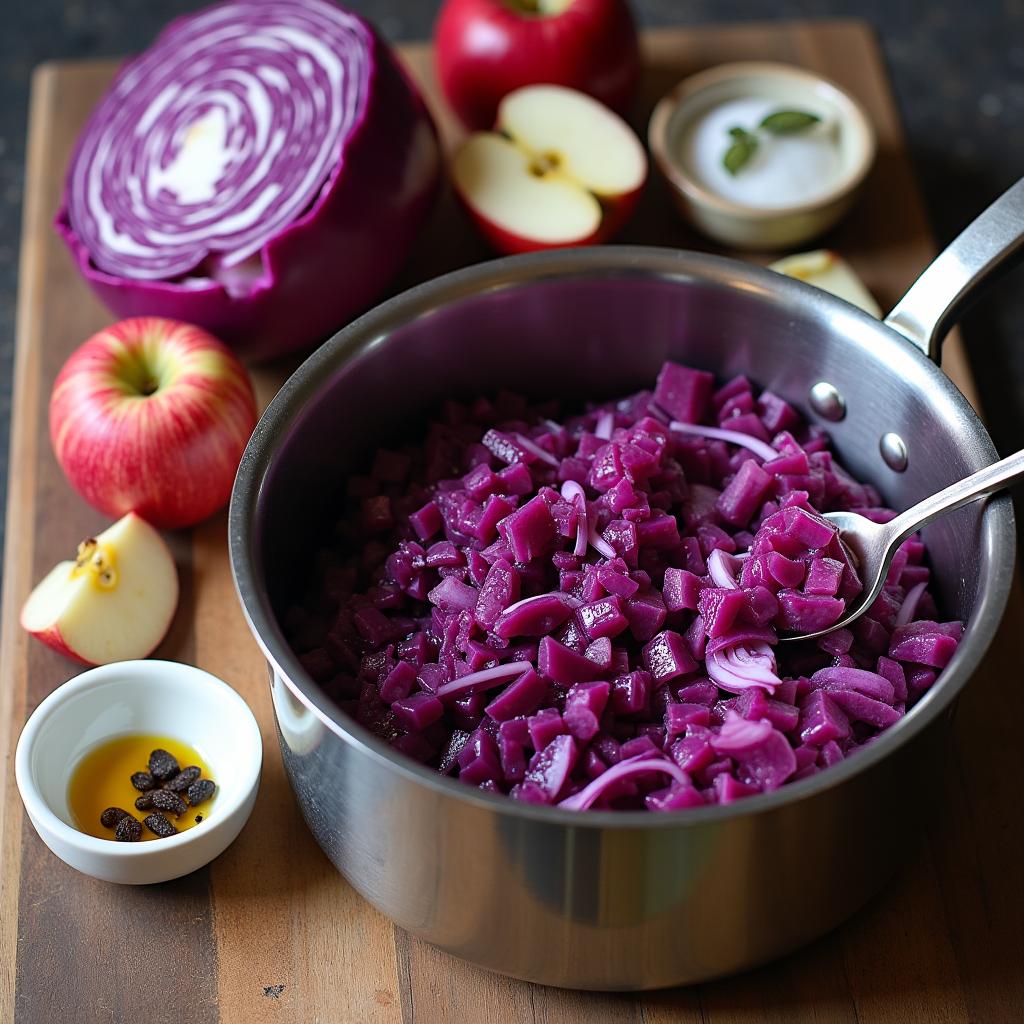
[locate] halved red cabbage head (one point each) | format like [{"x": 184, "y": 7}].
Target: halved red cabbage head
[
  {"x": 584, "y": 611},
  {"x": 261, "y": 170}
]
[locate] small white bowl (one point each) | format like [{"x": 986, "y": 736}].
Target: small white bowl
[
  {"x": 756, "y": 227},
  {"x": 164, "y": 698}
]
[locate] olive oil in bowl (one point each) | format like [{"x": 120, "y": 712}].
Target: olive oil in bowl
[{"x": 102, "y": 779}]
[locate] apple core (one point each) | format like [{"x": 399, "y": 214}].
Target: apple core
[
  {"x": 96, "y": 561},
  {"x": 544, "y": 163}
]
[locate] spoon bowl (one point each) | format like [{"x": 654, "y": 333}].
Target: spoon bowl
[
  {"x": 872, "y": 546},
  {"x": 870, "y": 549}
]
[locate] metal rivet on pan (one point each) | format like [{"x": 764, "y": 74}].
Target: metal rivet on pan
[
  {"x": 827, "y": 402},
  {"x": 894, "y": 451}
]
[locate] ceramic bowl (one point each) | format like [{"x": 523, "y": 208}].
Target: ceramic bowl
[
  {"x": 752, "y": 227},
  {"x": 158, "y": 697}
]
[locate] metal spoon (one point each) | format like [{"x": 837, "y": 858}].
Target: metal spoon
[{"x": 873, "y": 545}]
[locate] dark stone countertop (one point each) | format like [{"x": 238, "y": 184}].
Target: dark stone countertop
[{"x": 957, "y": 67}]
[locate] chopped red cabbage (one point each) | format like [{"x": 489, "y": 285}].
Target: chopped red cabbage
[
  {"x": 684, "y": 393},
  {"x": 535, "y": 616},
  {"x": 521, "y": 697},
  {"x": 924, "y": 643},
  {"x": 585, "y": 612}
]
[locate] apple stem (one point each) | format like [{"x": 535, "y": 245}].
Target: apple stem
[{"x": 143, "y": 371}]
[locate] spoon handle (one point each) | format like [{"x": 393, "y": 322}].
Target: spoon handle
[{"x": 963, "y": 492}]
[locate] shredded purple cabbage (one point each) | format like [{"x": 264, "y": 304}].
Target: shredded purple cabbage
[{"x": 584, "y": 612}]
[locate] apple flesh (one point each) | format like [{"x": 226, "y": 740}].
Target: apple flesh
[
  {"x": 152, "y": 415},
  {"x": 113, "y": 602},
  {"x": 485, "y": 49},
  {"x": 560, "y": 169}
]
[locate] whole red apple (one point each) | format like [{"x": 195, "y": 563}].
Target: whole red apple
[
  {"x": 486, "y": 48},
  {"x": 152, "y": 416}
]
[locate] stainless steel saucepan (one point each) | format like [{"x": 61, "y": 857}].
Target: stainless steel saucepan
[{"x": 599, "y": 899}]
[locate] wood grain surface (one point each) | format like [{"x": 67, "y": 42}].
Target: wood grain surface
[{"x": 270, "y": 932}]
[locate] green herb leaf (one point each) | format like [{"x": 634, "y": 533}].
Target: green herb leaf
[
  {"x": 789, "y": 122},
  {"x": 744, "y": 146}
]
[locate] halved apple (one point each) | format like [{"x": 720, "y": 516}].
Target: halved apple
[
  {"x": 114, "y": 602},
  {"x": 560, "y": 169}
]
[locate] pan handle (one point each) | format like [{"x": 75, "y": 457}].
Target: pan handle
[{"x": 991, "y": 243}]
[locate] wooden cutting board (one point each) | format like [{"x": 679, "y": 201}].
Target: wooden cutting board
[{"x": 270, "y": 932}]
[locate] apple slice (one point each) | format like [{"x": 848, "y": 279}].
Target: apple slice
[
  {"x": 830, "y": 272},
  {"x": 560, "y": 169},
  {"x": 114, "y": 602}
]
